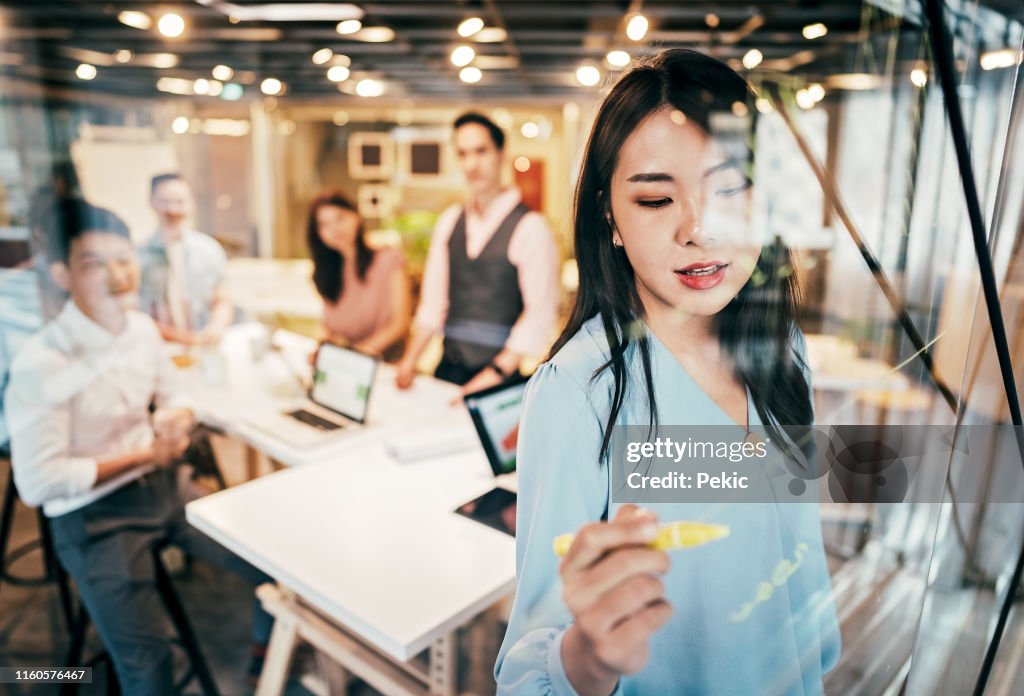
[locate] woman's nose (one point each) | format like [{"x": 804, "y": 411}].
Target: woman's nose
[{"x": 689, "y": 228}]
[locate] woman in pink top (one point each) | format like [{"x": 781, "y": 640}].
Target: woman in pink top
[{"x": 366, "y": 292}]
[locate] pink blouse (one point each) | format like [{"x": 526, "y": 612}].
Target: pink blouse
[{"x": 364, "y": 306}]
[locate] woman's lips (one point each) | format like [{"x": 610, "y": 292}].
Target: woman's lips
[{"x": 702, "y": 276}]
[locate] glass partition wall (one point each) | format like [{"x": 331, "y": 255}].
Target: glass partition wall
[{"x": 855, "y": 170}]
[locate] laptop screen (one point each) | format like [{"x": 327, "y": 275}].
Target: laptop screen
[
  {"x": 495, "y": 414},
  {"x": 342, "y": 381}
]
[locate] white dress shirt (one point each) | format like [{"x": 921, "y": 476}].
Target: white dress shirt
[
  {"x": 531, "y": 250},
  {"x": 180, "y": 280},
  {"x": 78, "y": 394}
]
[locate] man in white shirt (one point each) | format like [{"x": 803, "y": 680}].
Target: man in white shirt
[
  {"x": 85, "y": 447},
  {"x": 490, "y": 284},
  {"x": 182, "y": 270}
]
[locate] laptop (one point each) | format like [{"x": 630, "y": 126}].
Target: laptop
[
  {"x": 338, "y": 400},
  {"x": 495, "y": 413}
]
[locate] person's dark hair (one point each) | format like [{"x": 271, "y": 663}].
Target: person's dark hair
[
  {"x": 71, "y": 217},
  {"x": 756, "y": 327},
  {"x": 497, "y": 135},
  {"x": 155, "y": 182},
  {"x": 328, "y": 264}
]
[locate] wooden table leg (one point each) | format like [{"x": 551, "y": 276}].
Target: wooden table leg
[
  {"x": 442, "y": 666},
  {"x": 252, "y": 462},
  {"x": 283, "y": 640},
  {"x": 333, "y": 674}
]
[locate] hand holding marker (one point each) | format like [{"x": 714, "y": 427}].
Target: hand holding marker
[{"x": 612, "y": 585}]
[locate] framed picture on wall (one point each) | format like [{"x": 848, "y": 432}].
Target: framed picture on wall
[
  {"x": 370, "y": 156},
  {"x": 423, "y": 158}
]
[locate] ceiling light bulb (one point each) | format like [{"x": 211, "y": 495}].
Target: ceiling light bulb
[
  {"x": 349, "y": 26},
  {"x": 338, "y": 73},
  {"x": 222, "y": 72},
  {"x": 470, "y": 74},
  {"x": 123, "y": 55},
  {"x": 815, "y": 31},
  {"x": 463, "y": 56},
  {"x": 375, "y": 34},
  {"x": 135, "y": 19},
  {"x": 817, "y": 92},
  {"x": 85, "y": 71},
  {"x": 804, "y": 99},
  {"x": 322, "y": 56},
  {"x": 529, "y": 129},
  {"x": 468, "y": 27},
  {"x": 163, "y": 60},
  {"x": 752, "y": 59},
  {"x": 171, "y": 25},
  {"x": 490, "y": 35},
  {"x": 637, "y": 27},
  {"x": 618, "y": 59},
  {"x": 919, "y": 77},
  {"x": 369, "y": 88},
  {"x": 588, "y": 75},
  {"x": 1000, "y": 58},
  {"x": 271, "y": 86},
  {"x": 201, "y": 86}
]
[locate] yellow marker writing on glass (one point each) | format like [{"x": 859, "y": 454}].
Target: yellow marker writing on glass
[{"x": 671, "y": 536}]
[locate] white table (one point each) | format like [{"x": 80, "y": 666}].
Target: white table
[
  {"x": 373, "y": 546},
  {"x": 372, "y": 565}
]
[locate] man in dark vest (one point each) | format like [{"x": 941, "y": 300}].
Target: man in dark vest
[{"x": 490, "y": 284}]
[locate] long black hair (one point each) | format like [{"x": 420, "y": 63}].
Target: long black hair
[
  {"x": 329, "y": 264},
  {"x": 756, "y": 327}
]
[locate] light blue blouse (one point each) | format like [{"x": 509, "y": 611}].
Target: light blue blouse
[{"x": 718, "y": 641}]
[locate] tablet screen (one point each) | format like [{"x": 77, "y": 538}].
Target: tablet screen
[
  {"x": 495, "y": 414},
  {"x": 342, "y": 381}
]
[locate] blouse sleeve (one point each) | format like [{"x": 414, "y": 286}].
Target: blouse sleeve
[{"x": 562, "y": 486}]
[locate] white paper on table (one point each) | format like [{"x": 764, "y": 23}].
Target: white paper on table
[{"x": 425, "y": 444}]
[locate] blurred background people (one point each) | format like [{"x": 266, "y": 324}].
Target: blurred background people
[
  {"x": 490, "y": 284},
  {"x": 85, "y": 448},
  {"x": 182, "y": 270},
  {"x": 366, "y": 291}
]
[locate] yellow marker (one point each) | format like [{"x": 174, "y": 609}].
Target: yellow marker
[{"x": 671, "y": 536}]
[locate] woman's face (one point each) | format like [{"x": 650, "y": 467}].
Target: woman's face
[
  {"x": 337, "y": 227},
  {"x": 680, "y": 208}
]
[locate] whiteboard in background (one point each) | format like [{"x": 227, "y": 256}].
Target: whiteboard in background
[{"x": 115, "y": 165}]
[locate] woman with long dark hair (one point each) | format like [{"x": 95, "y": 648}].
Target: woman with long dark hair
[
  {"x": 684, "y": 316},
  {"x": 366, "y": 292}
]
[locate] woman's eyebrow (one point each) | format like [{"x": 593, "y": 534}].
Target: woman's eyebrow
[
  {"x": 728, "y": 163},
  {"x": 650, "y": 178}
]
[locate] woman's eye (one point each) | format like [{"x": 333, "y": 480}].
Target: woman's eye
[{"x": 655, "y": 203}]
